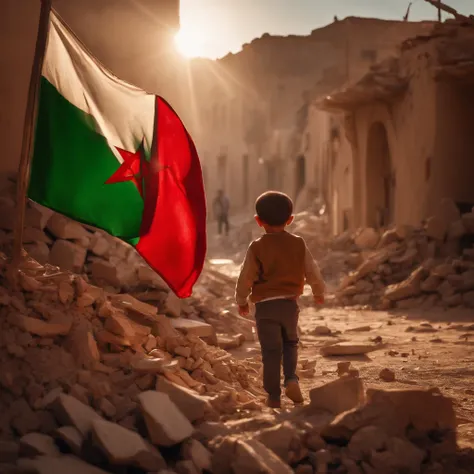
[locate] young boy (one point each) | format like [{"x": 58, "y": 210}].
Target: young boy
[{"x": 273, "y": 275}]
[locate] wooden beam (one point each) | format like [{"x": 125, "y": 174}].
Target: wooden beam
[
  {"x": 28, "y": 131},
  {"x": 446, "y": 8}
]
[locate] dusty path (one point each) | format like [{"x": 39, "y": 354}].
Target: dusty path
[{"x": 423, "y": 349}]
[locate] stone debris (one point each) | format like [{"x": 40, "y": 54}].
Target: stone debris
[
  {"x": 347, "y": 348},
  {"x": 166, "y": 424},
  {"x": 53, "y": 465},
  {"x": 38, "y": 444},
  {"x": 387, "y": 375},
  {"x": 105, "y": 371},
  {"x": 339, "y": 395},
  {"x": 193, "y": 406},
  {"x": 399, "y": 267},
  {"x": 125, "y": 447}
]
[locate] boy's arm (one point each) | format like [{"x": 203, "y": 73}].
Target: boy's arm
[
  {"x": 313, "y": 274},
  {"x": 248, "y": 276}
]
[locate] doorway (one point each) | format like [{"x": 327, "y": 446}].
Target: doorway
[{"x": 380, "y": 181}]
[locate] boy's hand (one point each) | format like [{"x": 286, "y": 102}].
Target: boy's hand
[
  {"x": 319, "y": 299},
  {"x": 244, "y": 310}
]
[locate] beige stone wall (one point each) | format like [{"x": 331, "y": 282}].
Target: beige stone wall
[
  {"x": 341, "y": 167},
  {"x": 133, "y": 39},
  {"x": 409, "y": 125},
  {"x": 430, "y": 138}
]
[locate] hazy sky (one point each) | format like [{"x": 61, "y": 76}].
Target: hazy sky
[{"x": 212, "y": 28}]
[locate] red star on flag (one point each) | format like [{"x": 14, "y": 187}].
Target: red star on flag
[{"x": 134, "y": 168}]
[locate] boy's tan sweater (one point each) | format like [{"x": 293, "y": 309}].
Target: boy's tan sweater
[{"x": 277, "y": 265}]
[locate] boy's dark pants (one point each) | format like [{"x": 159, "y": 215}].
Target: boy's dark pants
[{"x": 277, "y": 328}]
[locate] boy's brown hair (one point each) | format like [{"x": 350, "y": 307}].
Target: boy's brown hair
[{"x": 274, "y": 208}]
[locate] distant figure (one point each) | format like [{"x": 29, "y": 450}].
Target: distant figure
[
  {"x": 336, "y": 19},
  {"x": 221, "y": 207}
]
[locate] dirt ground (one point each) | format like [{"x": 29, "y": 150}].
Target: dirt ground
[{"x": 423, "y": 348}]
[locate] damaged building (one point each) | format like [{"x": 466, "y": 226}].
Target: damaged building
[
  {"x": 393, "y": 144},
  {"x": 252, "y": 107}
]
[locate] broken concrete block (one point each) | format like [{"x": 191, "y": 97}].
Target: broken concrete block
[
  {"x": 83, "y": 346},
  {"x": 280, "y": 439},
  {"x": 99, "y": 245},
  {"x": 407, "y": 288},
  {"x": 38, "y": 251},
  {"x": 32, "y": 235},
  {"x": 58, "y": 326},
  {"x": 436, "y": 228},
  {"x": 118, "y": 323},
  {"x": 172, "y": 305},
  {"x": 129, "y": 303},
  {"x": 118, "y": 275},
  {"x": 71, "y": 437},
  {"x": 367, "y": 238},
  {"x": 67, "y": 256},
  {"x": 193, "y": 406},
  {"x": 106, "y": 337},
  {"x": 227, "y": 342},
  {"x": 198, "y": 454},
  {"x": 149, "y": 365},
  {"x": 190, "y": 326},
  {"x": 399, "y": 456},
  {"x": 70, "y": 411},
  {"x": 64, "y": 228},
  {"x": 58, "y": 465},
  {"x": 150, "y": 343},
  {"x": 347, "y": 348},
  {"x": 388, "y": 238},
  {"x": 149, "y": 277},
  {"x": 253, "y": 456},
  {"x": 38, "y": 444},
  {"x": 394, "y": 411},
  {"x": 339, "y": 395},
  {"x": 430, "y": 285},
  {"x": 165, "y": 423},
  {"x": 365, "y": 441},
  {"x": 37, "y": 216},
  {"x": 125, "y": 447}
]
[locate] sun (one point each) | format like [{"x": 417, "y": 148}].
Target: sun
[{"x": 189, "y": 43}]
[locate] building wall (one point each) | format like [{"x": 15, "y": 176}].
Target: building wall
[
  {"x": 132, "y": 39},
  {"x": 271, "y": 79},
  {"x": 430, "y": 138},
  {"x": 339, "y": 165}
]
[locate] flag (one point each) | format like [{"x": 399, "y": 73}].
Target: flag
[{"x": 112, "y": 156}]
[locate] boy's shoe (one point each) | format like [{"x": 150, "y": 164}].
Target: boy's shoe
[
  {"x": 293, "y": 392},
  {"x": 273, "y": 403}
]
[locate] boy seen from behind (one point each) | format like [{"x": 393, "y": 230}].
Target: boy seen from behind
[{"x": 273, "y": 276}]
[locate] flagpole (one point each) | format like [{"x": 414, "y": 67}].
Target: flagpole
[{"x": 28, "y": 131}]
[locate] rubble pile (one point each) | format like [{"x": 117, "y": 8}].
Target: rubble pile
[
  {"x": 51, "y": 238},
  {"x": 99, "y": 389},
  {"x": 405, "y": 267},
  {"x": 71, "y": 353},
  {"x": 410, "y": 431}
]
